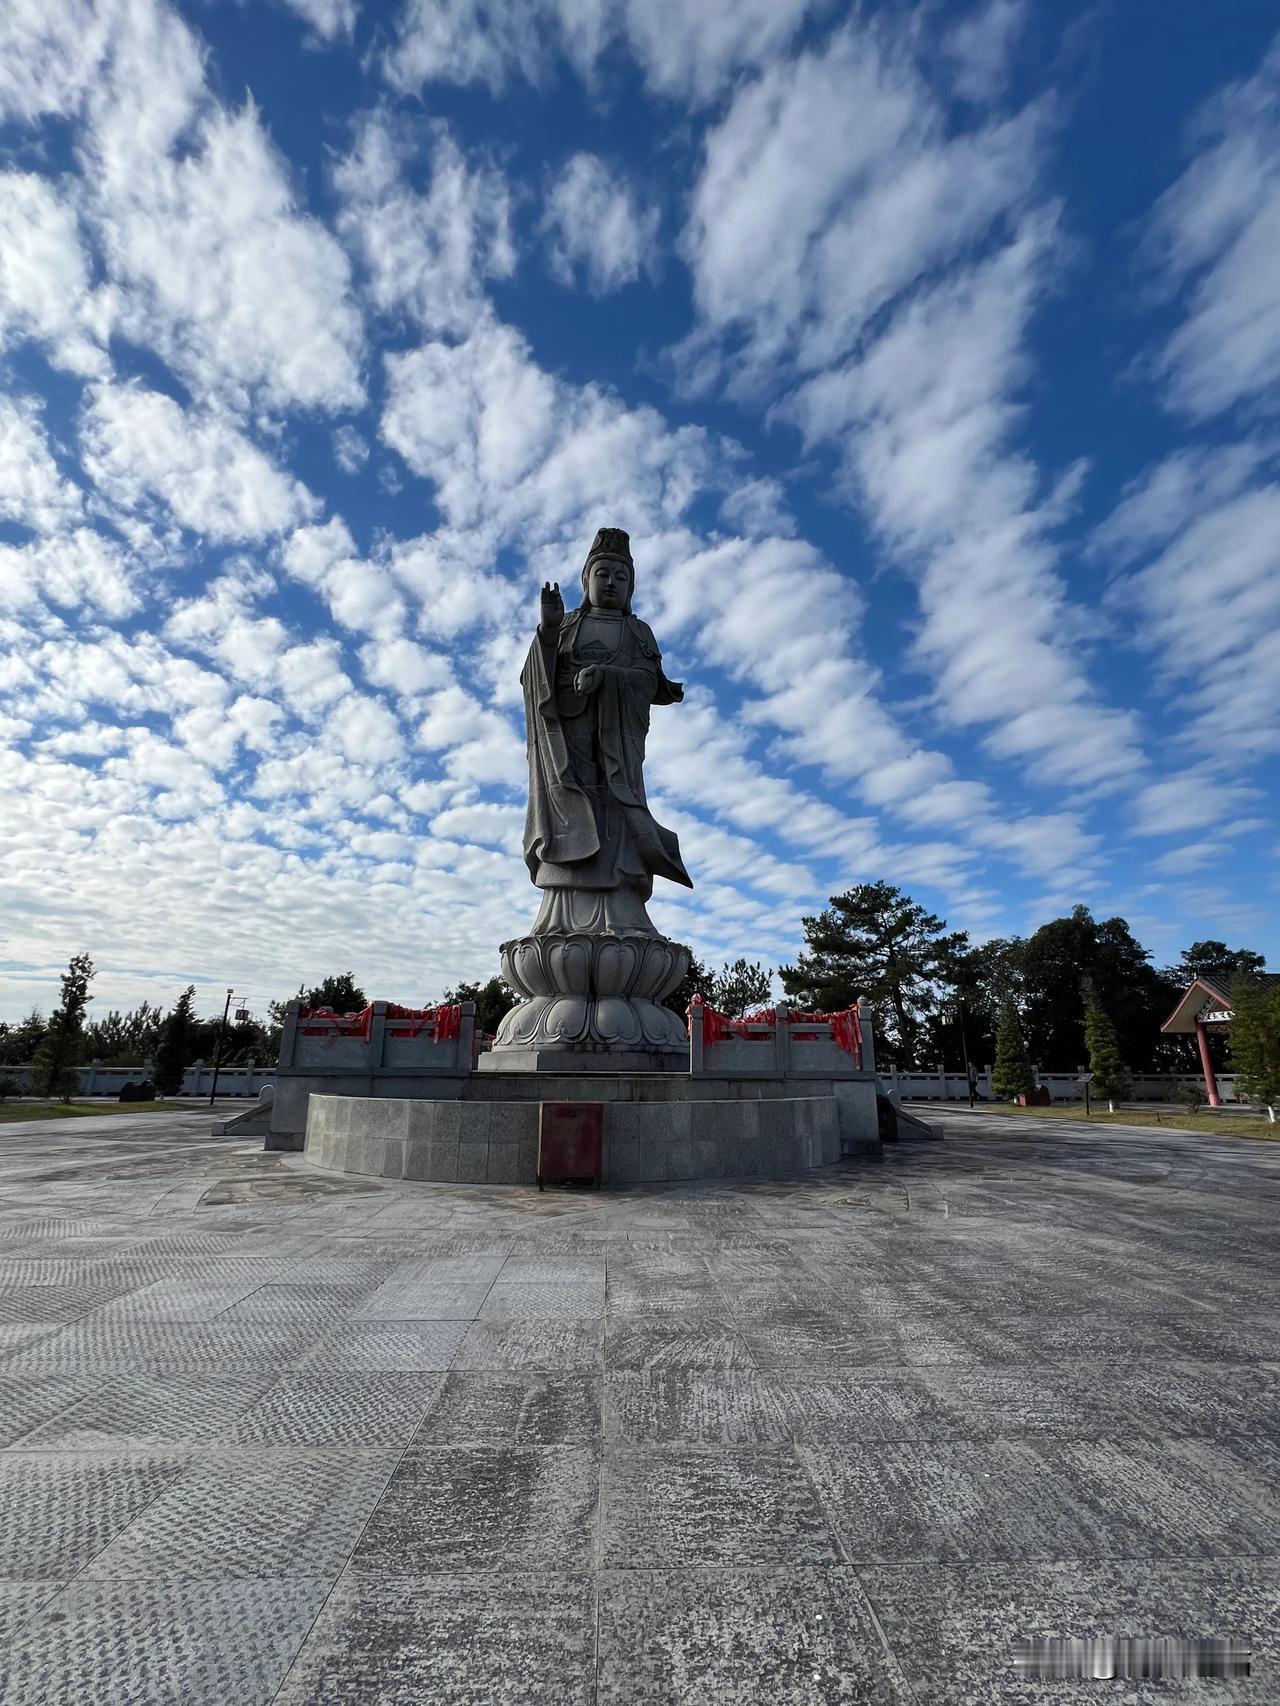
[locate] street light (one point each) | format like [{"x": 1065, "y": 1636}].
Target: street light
[
  {"x": 964, "y": 1044},
  {"x": 242, "y": 1013}
]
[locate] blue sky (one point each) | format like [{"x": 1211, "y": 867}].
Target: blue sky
[{"x": 931, "y": 356}]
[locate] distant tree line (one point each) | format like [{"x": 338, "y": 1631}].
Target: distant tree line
[{"x": 1077, "y": 991}]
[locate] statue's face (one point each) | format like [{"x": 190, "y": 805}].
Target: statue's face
[{"x": 609, "y": 583}]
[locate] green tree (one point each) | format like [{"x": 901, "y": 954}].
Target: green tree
[
  {"x": 124, "y": 1039},
  {"x": 1217, "y": 962},
  {"x": 874, "y": 940},
  {"x": 1053, "y": 962},
  {"x": 986, "y": 978},
  {"x": 18, "y": 1043},
  {"x": 696, "y": 981},
  {"x": 176, "y": 1050},
  {"x": 494, "y": 1000},
  {"x": 1255, "y": 1038},
  {"x": 1109, "y": 1074},
  {"x": 740, "y": 987},
  {"x": 53, "y": 1072},
  {"x": 1012, "y": 1075},
  {"x": 339, "y": 991}
]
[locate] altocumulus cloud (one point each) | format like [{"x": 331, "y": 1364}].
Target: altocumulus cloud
[{"x": 306, "y": 393}]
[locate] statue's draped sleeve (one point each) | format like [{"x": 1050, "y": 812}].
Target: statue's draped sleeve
[{"x": 559, "y": 825}]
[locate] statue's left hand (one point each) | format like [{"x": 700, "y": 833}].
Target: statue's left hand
[
  {"x": 588, "y": 679},
  {"x": 677, "y": 691}
]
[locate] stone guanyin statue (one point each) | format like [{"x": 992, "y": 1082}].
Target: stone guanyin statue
[{"x": 593, "y": 970}]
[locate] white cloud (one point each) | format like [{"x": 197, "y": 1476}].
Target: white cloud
[
  {"x": 682, "y": 49},
  {"x": 330, "y": 19},
  {"x": 350, "y": 449},
  {"x": 72, "y": 570},
  {"x": 32, "y": 491},
  {"x": 1217, "y": 231},
  {"x": 592, "y": 221},
  {"x": 979, "y": 48},
  {"x": 44, "y": 276},
  {"x": 49, "y": 54},
  {"x": 360, "y": 595},
  {"x": 212, "y": 262},
  {"x": 831, "y": 185},
  {"x": 404, "y": 667},
  {"x": 1196, "y": 798},
  {"x": 426, "y": 254},
  {"x": 139, "y": 445},
  {"x": 1208, "y": 608}
]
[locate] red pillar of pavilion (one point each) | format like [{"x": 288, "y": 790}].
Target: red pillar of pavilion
[{"x": 1210, "y": 1082}]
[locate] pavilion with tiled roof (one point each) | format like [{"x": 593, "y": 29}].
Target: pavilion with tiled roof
[{"x": 1206, "y": 1006}]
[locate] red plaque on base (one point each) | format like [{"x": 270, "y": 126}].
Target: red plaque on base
[{"x": 570, "y": 1141}]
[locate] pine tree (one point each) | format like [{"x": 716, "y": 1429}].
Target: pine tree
[
  {"x": 1011, "y": 1076},
  {"x": 740, "y": 987},
  {"x": 1255, "y": 1040},
  {"x": 874, "y": 940},
  {"x": 174, "y": 1054},
  {"x": 53, "y": 1072},
  {"x": 1109, "y": 1074}
]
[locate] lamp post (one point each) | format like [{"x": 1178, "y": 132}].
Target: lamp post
[
  {"x": 964, "y": 1045},
  {"x": 222, "y": 1031}
]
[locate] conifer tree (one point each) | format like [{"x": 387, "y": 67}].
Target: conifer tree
[
  {"x": 53, "y": 1071},
  {"x": 1109, "y": 1074},
  {"x": 176, "y": 1044},
  {"x": 1011, "y": 1076},
  {"x": 1255, "y": 1040}
]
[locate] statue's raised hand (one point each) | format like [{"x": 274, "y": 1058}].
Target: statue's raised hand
[{"x": 552, "y": 612}]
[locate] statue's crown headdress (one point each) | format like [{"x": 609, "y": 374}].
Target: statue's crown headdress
[{"x": 610, "y": 542}]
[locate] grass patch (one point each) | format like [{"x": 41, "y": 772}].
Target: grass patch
[
  {"x": 11, "y": 1112},
  {"x": 1170, "y": 1118}
]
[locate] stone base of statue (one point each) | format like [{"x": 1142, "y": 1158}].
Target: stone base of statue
[{"x": 592, "y": 1003}]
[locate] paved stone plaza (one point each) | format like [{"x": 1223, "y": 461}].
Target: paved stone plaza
[{"x": 271, "y": 1434}]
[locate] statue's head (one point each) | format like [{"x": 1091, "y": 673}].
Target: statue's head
[{"x": 608, "y": 575}]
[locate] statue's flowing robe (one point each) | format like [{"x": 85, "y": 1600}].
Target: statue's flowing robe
[{"x": 588, "y": 825}]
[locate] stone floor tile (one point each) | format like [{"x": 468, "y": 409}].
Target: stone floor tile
[
  {"x": 681, "y": 1406},
  {"x": 390, "y": 1347},
  {"x": 56, "y": 1512},
  {"x": 121, "y": 1346},
  {"x": 953, "y": 1629},
  {"x": 421, "y": 1296},
  {"x": 525, "y": 1269},
  {"x": 536, "y": 1300},
  {"x": 678, "y": 1507},
  {"x": 459, "y": 1509},
  {"x": 451, "y": 1641},
  {"x": 879, "y": 1404},
  {"x": 641, "y": 1342},
  {"x": 29, "y": 1401},
  {"x": 157, "y": 1643},
  {"x": 253, "y": 1514},
  {"x": 131, "y": 1411},
  {"x": 636, "y": 1294},
  {"x": 547, "y": 1343},
  {"x": 19, "y": 1601},
  {"x": 819, "y": 1342},
  {"x": 365, "y": 1410},
  {"x": 513, "y": 1408},
  {"x": 741, "y": 1637}
]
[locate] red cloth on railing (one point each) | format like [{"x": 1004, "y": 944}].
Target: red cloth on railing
[
  {"x": 846, "y": 1028},
  {"x": 336, "y": 1024},
  {"x": 717, "y": 1026},
  {"x": 412, "y": 1021},
  {"x": 403, "y": 1022}
]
